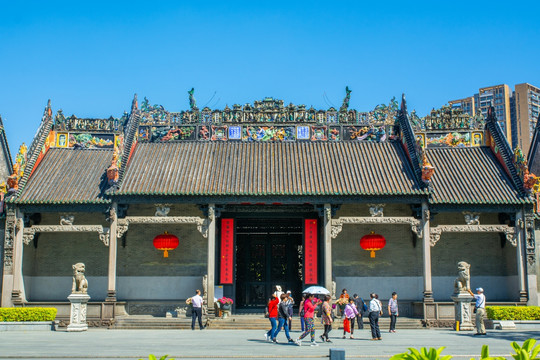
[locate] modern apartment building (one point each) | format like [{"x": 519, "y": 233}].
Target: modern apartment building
[
  {"x": 467, "y": 105},
  {"x": 526, "y": 107},
  {"x": 500, "y": 96},
  {"x": 502, "y": 99}
]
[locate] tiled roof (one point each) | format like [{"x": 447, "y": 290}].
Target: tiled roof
[
  {"x": 67, "y": 176},
  {"x": 470, "y": 176},
  {"x": 340, "y": 168}
]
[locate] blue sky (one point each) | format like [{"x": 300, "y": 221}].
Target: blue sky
[{"x": 89, "y": 58}]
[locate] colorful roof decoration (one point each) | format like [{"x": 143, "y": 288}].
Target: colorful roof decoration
[{"x": 268, "y": 148}]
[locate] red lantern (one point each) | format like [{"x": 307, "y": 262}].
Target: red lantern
[
  {"x": 166, "y": 242},
  {"x": 372, "y": 242}
]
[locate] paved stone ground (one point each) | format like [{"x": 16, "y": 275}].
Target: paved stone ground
[{"x": 241, "y": 344}]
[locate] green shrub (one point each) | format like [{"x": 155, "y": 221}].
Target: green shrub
[
  {"x": 153, "y": 357},
  {"x": 27, "y": 314},
  {"x": 423, "y": 354},
  {"x": 513, "y": 312}
]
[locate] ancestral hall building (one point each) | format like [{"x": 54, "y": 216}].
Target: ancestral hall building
[{"x": 268, "y": 194}]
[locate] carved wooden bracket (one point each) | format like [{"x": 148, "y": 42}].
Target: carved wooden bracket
[
  {"x": 123, "y": 224},
  {"x": 337, "y": 224},
  {"x": 29, "y": 232},
  {"x": 435, "y": 232}
]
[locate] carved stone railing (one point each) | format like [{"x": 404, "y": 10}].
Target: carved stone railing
[
  {"x": 29, "y": 232},
  {"x": 337, "y": 224},
  {"x": 435, "y": 232},
  {"x": 123, "y": 223}
]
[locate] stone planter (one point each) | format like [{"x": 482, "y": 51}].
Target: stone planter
[
  {"x": 512, "y": 324},
  {"x": 225, "y": 310},
  {"x": 28, "y": 325}
]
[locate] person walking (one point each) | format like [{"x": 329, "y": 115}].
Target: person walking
[
  {"x": 326, "y": 318},
  {"x": 393, "y": 311},
  {"x": 272, "y": 316},
  {"x": 350, "y": 313},
  {"x": 283, "y": 319},
  {"x": 480, "y": 310},
  {"x": 309, "y": 311},
  {"x": 301, "y": 312},
  {"x": 290, "y": 303},
  {"x": 375, "y": 310},
  {"x": 196, "y": 312},
  {"x": 361, "y": 307}
]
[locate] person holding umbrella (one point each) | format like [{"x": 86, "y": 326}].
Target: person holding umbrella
[{"x": 309, "y": 310}]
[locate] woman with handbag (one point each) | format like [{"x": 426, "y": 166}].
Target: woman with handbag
[
  {"x": 375, "y": 310},
  {"x": 350, "y": 313}
]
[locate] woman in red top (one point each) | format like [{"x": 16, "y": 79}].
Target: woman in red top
[
  {"x": 309, "y": 309},
  {"x": 272, "y": 316}
]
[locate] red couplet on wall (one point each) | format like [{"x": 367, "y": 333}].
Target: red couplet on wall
[
  {"x": 310, "y": 252},
  {"x": 227, "y": 253}
]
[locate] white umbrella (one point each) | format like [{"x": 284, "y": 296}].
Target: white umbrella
[{"x": 316, "y": 290}]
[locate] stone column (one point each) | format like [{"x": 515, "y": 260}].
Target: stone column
[
  {"x": 426, "y": 253},
  {"x": 211, "y": 271},
  {"x": 111, "y": 288},
  {"x": 18, "y": 296},
  {"x": 520, "y": 253},
  {"x": 7, "y": 277},
  {"x": 327, "y": 238}
]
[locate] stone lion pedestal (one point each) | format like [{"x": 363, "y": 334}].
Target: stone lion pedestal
[
  {"x": 79, "y": 304},
  {"x": 462, "y": 308}
]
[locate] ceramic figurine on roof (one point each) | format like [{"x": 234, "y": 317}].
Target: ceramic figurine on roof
[
  {"x": 192, "y": 102},
  {"x": 18, "y": 169},
  {"x": 530, "y": 181},
  {"x": 427, "y": 170},
  {"x": 345, "y": 104},
  {"x": 448, "y": 118}
]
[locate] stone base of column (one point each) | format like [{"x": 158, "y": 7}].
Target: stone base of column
[
  {"x": 109, "y": 308},
  {"x": 79, "y": 305},
  {"x": 523, "y": 296},
  {"x": 16, "y": 298},
  {"x": 462, "y": 308},
  {"x": 111, "y": 296},
  {"x": 428, "y": 297}
]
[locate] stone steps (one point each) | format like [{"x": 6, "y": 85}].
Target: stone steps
[{"x": 239, "y": 322}]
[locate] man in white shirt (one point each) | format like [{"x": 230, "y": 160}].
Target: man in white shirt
[
  {"x": 375, "y": 310},
  {"x": 196, "y": 303},
  {"x": 480, "y": 308}
]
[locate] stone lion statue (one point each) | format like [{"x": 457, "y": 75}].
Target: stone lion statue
[
  {"x": 463, "y": 281},
  {"x": 80, "y": 284}
]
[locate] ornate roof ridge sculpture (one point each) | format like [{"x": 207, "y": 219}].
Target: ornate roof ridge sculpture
[
  {"x": 124, "y": 146},
  {"x": 448, "y": 127},
  {"x": 267, "y": 110},
  {"x": 74, "y": 123},
  {"x": 413, "y": 146},
  {"x": 28, "y": 160},
  {"x": 501, "y": 148}
]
